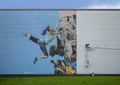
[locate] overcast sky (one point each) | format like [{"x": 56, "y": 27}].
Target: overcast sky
[{"x": 59, "y": 4}]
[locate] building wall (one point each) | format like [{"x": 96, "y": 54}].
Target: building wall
[{"x": 101, "y": 30}]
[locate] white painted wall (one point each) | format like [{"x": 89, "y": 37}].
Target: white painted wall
[{"x": 99, "y": 29}]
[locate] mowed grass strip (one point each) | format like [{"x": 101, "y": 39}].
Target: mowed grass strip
[{"x": 61, "y": 80}]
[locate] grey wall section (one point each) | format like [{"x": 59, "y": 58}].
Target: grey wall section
[{"x": 101, "y": 29}]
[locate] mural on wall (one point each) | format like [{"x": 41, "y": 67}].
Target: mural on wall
[
  {"x": 46, "y": 38},
  {"x": 66, "y": 44}
]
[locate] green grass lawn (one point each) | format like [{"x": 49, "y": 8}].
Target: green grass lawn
[{"x": 61, "y": 80}]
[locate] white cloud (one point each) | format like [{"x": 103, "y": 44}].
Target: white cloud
[{"x": 105, "y": 6}]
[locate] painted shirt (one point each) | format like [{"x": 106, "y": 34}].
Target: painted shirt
[{"x": 47, "y": 39}]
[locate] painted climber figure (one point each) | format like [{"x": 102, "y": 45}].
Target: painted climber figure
[{"x": 49, "y": 31}]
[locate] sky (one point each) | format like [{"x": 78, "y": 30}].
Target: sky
[{"x": 59, "y": 4}]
